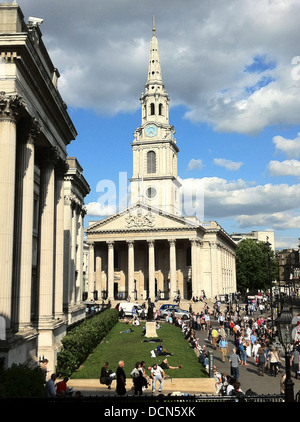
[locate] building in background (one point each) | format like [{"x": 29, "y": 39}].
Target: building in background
[
  {"x": 150, "y": 249},
  {"x": 42, "y": 199},
  {"x": 258, "y": 236},
  {"x": 289, "y": 267}
]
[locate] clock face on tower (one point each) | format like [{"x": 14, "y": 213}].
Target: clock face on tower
[{"x": 151, "y": 130}]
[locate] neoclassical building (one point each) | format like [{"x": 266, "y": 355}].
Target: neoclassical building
[
  {"x": 42, "y": 199},
  {"x": 150, "y": 249}
]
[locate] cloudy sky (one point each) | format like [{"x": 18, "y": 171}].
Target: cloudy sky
[{"x": 232, "y": 71}]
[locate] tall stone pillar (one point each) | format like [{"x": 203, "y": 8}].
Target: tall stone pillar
[
  {"x": 68, "y": 205},
  {"x": 110, "y": 271},
  {"x": 91, "y": 285},
  {"x": 130, "y": 244},
  {"x": 195, "y": 278},
  {"x": 79, "y": 258},
  {"x": 173, "y": 287},
  {"x": 151, "y": 269},
  {"x": 24, "y": 241},
  {"x": 47, "y": 227},
  {"x": 73, "y": 254},
  {"x": 61, "y": 169},
  {"x": 9, "y": 112}
]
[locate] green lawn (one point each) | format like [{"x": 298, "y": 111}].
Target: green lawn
[{"x": 131, "y": 348}]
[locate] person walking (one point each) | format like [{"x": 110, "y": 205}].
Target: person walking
[
  {"x": 273, "y": 360},
  {"x": 294, "y": 362},
  {"x": 234, "y": 361},
  {"x": 214, "y": 337},
  {"x": 223, "y": 347},
  {"x": 121, "y": 379},
  {"x": 261, "y": 361},
  {"x": 157, "y": 374}
]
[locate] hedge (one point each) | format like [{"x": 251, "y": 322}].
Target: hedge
[
  {"x": 22, "y": 381},
  {"x": 80, "y": 342}
]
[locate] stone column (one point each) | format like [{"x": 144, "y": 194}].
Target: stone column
[
  {"x": 91, "y": 270},
  {"x": 9, "y": 109},
  {"x": 61, "y": 169},
  {"x": 214, "y": 264},
  {"x": 68, "y": 206},
  {"x": 47, "y": 227},
  {"x": 110, "y": 271},
  {"x": 26, "y": 153},
  {"x": 194, "y": 256},
  {"x": 73, "y": 254},
  {"x": 130, "y": 244},
  {"x": 79, "y": 259},
  {"x": 173, "y": 287},
  {"x": 151, "y": 269}
]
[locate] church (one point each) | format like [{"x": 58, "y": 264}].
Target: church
[{"x": 150, "y": 249}]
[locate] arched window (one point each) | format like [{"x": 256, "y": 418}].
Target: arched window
[
  {"x": 152, "y": 109},
  {"x": 160, "y": 109},
  {"x": 151, "y": 162}
]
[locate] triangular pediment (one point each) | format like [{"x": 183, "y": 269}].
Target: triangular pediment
[{"x": 140, "y": 217}]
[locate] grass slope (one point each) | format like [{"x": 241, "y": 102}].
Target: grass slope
[{"x": 131, "y": 348}]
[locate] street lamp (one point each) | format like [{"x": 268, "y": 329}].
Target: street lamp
[{"x": 284, "y": 327}]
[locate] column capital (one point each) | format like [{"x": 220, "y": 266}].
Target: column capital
[
  {"x": 172, "y": 242},
  {"x": 10, "y": 107},
  {"x": 48, "y": 156},
  {"x": 28, "y": 130}
]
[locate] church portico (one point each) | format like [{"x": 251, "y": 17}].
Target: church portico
[{"x": 143, "y": 262}]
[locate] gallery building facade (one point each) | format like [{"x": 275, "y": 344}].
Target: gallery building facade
[
  {"x": 42, "y": 199},
  {"x": 150, "y": 249}
]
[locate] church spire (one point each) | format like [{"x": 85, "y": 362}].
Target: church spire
[{"x": 154, "y": 70}]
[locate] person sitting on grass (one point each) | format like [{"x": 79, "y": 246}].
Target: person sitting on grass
[
  {"x": 165, "y": 365},
  {"x": 161, "y": 351}
]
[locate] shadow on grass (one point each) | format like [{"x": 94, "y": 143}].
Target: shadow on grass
[{"x": 131, "y": 348}]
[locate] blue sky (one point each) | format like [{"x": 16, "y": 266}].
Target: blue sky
[{"x": 233, "y": 76}]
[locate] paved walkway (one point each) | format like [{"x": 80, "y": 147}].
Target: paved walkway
[{"x": 249, "y": 378}]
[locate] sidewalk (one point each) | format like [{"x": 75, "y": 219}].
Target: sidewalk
[{"x": 248, "y": 374}]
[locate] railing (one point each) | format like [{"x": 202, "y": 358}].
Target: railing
[{"x": 159, "y": 400}]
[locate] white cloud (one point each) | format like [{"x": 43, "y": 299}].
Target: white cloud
[
  {"x": 232, "y": 199},
  {"x": 278, "y": 221},
  {"x": 291, "y": 147},
  {"x": 228, "y": 164},
  {"x": 195, "y": 164},
  {"x": 97, "y": 209},
  {"x": 284, "y": 168}
]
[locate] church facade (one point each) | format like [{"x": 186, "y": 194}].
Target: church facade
[{"x": 150, "y": 250}]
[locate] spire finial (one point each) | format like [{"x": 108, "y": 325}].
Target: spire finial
[{"x": 153, "y": 27}]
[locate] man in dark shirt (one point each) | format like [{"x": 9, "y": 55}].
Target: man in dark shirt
[
  {"x": 121, "y": 379},
  {"x": 165, "y": 365}
]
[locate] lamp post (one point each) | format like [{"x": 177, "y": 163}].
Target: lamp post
[{"x": 284, "y": 326}]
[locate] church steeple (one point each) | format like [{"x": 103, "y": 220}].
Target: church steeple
[
  {"x": 155, "y": 100},
  {"x": 154, "y": 177},
  {"x": 154, "y": 69}
]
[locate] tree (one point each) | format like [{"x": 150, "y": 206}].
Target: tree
[{"x": 255, "y": 265}]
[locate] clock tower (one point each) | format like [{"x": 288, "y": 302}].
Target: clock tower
[{"x": 154, "y": 179}]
